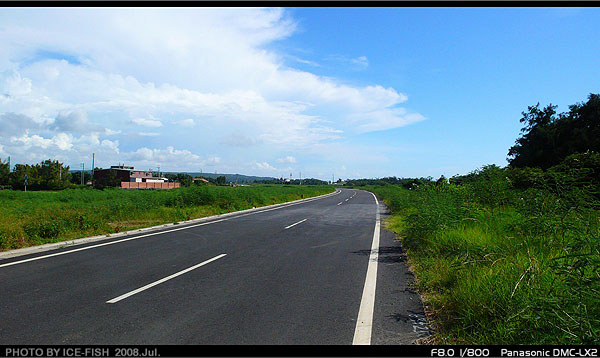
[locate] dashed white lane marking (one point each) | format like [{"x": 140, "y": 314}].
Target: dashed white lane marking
[
  {"x": 128, "y": 294},
  {"x": 346, "y": 200},
  {"x": 364, "y": 322},
  {"x": 163, "y": 232},
  {"x": 340, "y": 203},
  {"x": 299, "y": 222},
  {"x": 327, "y": 244}
]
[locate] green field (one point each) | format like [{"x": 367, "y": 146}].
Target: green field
[
  {"x": 38, "y": 217},
  {"x": 498, "y": 264}
]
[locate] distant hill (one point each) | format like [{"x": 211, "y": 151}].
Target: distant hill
[{"x": 234, "y": 178}]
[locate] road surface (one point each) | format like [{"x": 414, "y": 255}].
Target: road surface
[{"x": 295, "y": 274}]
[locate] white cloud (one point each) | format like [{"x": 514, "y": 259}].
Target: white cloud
[
  {"x": 287, "y": 159},
  {"x": 385, "y": 119},
  {"x": 239, "y": 139},
  {"x": 111, "y": 132},
  {"x": 361, "y": 61},
  {"x": 16, "y": 124},
  {"x": 188, "y": 122},
  {"x": 212, "y": 161},
  {"x": 264, "y": 166},
  {"x": 148, "y": 134},
  {"x": 61, "y": 141},
  {"x": 74, "y": 121},
  {"x": 358, "y": 63},
  {"x": 113, "y": 145},
  {"x": 147, "y": 122},
  {"x": 212, "y": 67},
  {"x": 12, "y": 84}
]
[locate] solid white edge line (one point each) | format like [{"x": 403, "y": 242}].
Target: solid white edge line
[
  {"x": 128, "y": 294},
  {"x": 299, "y": 222},
  {"x": 166, "y": 231},
  {"x": 364, "y": 322}
]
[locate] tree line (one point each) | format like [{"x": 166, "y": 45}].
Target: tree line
[
  {"x": 554, "y": 151},
  {"x": 46, "y": 175},
  {"x": 307, "y": 181}
]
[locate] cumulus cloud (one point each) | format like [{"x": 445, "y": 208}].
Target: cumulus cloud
[
  {"x": 75, "y": 121},
  {"x": 12, "y": 124},
  {"x": 214, "y": 82},
  {"x": 112, "y": 145},
  {"x": 62, "y": 141},
  {"x": 12, "y": 84}
]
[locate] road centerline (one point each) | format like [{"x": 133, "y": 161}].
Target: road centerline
[
  {"x": 299, "y": 222},
  {"x": 364, "y": 322},
  {"x": 143, "y": 288}
]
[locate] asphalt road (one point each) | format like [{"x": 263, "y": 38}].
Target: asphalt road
[{"x": 250, "y": 279}]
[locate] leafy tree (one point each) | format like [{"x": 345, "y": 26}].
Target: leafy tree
[
  {"x": 221, "y": 180},
  {"x": 547, "y": 138},
  {"x": 100, "y": 182},
  {"x": 53, "y": 174},
  {"x": 17, "y": 177},
  {"x": 183, "y": 178},
  {"x": 534, "y": 147},
  {"x": 4, "y": 173}
]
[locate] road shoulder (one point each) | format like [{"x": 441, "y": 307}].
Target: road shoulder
[{"x": 399, "y": 317}]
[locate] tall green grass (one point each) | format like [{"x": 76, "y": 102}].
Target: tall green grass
[
  {"x": 497, "y": 265},
  {"x": 38, "y": 217}
]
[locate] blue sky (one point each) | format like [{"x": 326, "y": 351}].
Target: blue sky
[{"x": 359, "y": 92}]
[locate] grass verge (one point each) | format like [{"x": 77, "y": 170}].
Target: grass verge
[
  {"x": 39, "y": 217},
  {"x": 500, "y": 265}
]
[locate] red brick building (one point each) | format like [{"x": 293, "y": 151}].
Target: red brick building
[{"x": 117, "y": 175}]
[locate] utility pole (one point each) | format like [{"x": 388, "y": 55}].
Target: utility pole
[
  {"x": 9, "y": 163},
  {"x": 159, "y": 171},
  {"x": 82, "y": 168},
  {"x": 300, "y": 178},
  {"x": 93, "y": 167}
]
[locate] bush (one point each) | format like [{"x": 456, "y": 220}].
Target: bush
[
  {"x": 513, "y": 261},
  {"x": 43, "y": 230}
]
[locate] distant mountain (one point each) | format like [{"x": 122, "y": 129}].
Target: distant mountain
[{"x": 234, "y": 178}]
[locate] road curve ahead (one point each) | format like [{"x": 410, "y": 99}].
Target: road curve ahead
[{"x": 303, "y": 273}]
